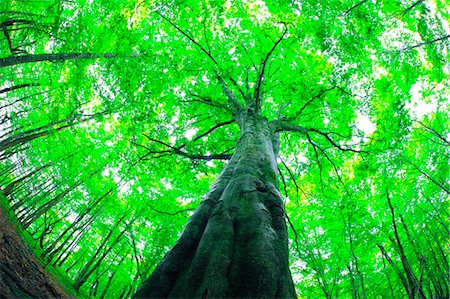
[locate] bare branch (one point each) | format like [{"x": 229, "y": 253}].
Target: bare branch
[
  {"x": 169, "y": 213},
  {"x": 404, "y": 12},
  {"x": 317, "y": 159},
  {"x": 309, "y": 102},
  {"x": 257, "y": 94},
  {"x": 177, "y": 151},
  {"x": 295, "y": 233},
  {"x": 284, "y": 182},
  {"x": 229, "y": 94},
  {"x": 344, "y": 149},
  {"x": 334, "y": 167},
  {"x": 189, "y": 37},
  {"x": 244, "y": 96},
  {"x": 207, "y": 101},
  {"x": 446, "y": 189},
  {"x": 214, "y": 128},
  {"x": 425, "y": 43},
  {"x": 354, "y": 6},
  {"x": 313, "y": 98},
  {"x": 434, "y": 132},
  {"x": 283, "y": 126},
  {"x": 8, "y": 89},
  {"x": 297, "y": 187}
]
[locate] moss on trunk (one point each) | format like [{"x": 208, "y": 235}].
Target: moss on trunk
[{"x": 235, "y": 245}]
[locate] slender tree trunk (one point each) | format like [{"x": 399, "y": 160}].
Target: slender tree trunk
[
  {"x": 8, "y": 89},
  {"x": 77, "y": 221},
  {"x": 413, "y": 283},
  {"x": 20, "y": 59},
  {"x": 97, "y": 258},
  {"x": 66, "y": 246},
  {"x": 27, "y": 136},
  {"x": 30, "y": 198},
  {"x": 110, "y": 279},
  {"x": 388, "y": 279},
  {"x": 47, "y": 206},
  {"x": 7, "y": 190},
  {"x": 235, "y": 245}
]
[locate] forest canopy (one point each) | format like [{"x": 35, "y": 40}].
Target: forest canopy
[{"x": 115, "y": 123}]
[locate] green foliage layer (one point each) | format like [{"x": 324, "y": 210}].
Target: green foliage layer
[{"x": 113, "y": 127}]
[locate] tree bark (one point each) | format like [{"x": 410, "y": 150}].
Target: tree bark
[
  {"x": 235, "y": 245},
  {"x": 20, "y": 59}
]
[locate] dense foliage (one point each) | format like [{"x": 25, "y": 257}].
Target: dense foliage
[{"x": 113, "y": 127}]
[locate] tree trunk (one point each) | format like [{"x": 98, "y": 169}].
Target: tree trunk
[
  {"x": 235, "y": 245},
  {"x": 75, "y": 224},
  {"x": 20, "y": 59}
]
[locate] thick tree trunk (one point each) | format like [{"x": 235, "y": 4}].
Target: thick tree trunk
[{"x": 235, "y": 245}]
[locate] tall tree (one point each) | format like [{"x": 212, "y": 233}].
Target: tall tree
[{"x": 299, "y": 115}]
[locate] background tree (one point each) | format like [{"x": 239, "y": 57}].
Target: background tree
[{"x": 111, "y": 110}]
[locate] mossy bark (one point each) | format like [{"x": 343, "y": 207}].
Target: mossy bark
[{"x": 235, "y": 245}]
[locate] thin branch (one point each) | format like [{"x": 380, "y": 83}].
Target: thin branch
[
  {"x": 425, "y": 43},
  {"x": 295, "y": 233},
  {"x": 334, "y": 167},
  {"x": 344, "y": 149},
  {"x": 229, "y": 94},
  {"x": 8, "y": 89},
  {"x": 313, "y": 98},
  {"x": 309, "y": 102},
  {"x": 354, "y": 6},
  {"x": 317, "y": 159},
  {"x": 244, "y": 96},
  {"x": 297, "y": 187},
  {"x": 257, "y": 94},
  {"x": 245, "y": 50},
  {"x": 283, "y": 126},
  {"x": 214, "y": 128},
  {"x": 284, "y": 182},
  {"x": 168, "y": 213},
  {"x": 206, "y": 101},
  {"x": 189, "y": 37},
  {"x": 433, "y": 131},
  {"x": 207, "y": 132},
  {"x": 404, "y": 12},
  {"x": 427, "y": 175},
  {"x": 177, "y": 151}
]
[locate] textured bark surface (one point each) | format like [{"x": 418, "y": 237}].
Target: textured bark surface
[
  {"x": 235, "y": 244},
  {"x": 20, "y": 274}
]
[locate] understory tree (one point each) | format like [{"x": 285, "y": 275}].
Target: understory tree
[{"x": 230, "y": 149}]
